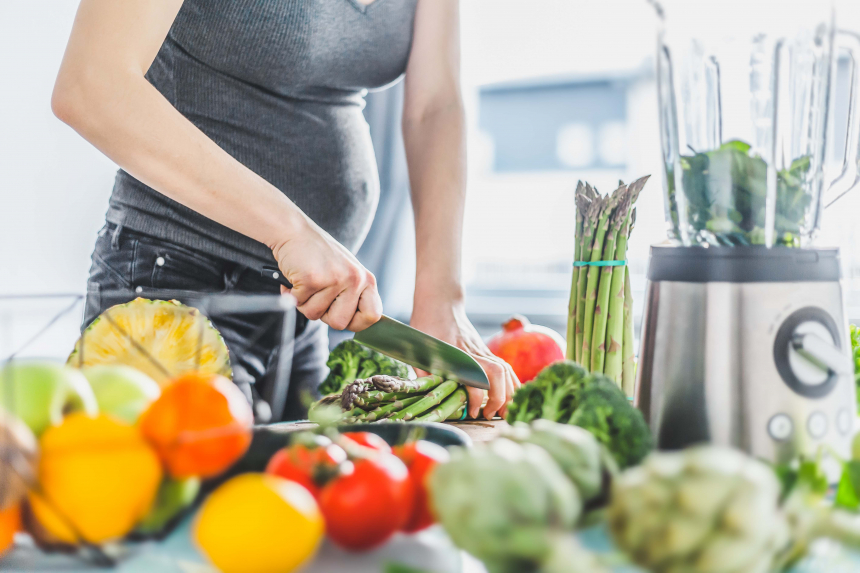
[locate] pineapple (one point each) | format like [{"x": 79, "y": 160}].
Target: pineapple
[{"x": 161, "y": 338}]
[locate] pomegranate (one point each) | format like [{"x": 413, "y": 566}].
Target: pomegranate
[{"x": 527, "y": 347}]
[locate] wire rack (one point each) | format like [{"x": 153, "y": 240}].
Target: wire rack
[{"x": 48, "y": 326}]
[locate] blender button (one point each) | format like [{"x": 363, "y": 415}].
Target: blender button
[
  {"x": 780, "y": 427},
  {"x": 817, "y": 425},
  {"x": 844, "y": 422}
]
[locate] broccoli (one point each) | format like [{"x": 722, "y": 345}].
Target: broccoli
[
  {"x": 604, "y": 410},
  {"x": 351, "y": 361},
  {"x": 551, "y": 395}
]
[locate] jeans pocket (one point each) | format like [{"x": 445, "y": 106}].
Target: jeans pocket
[{"x": 173, "y": 268}]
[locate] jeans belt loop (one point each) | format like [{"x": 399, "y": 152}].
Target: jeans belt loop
[{"x": 116, "y": 236}]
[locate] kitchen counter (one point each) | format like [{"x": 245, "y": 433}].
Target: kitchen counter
[{"x": 429, "y": 551}]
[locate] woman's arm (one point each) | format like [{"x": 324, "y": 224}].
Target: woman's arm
[
  {"x": 434, "y": 134},
  {"x": 102, "y": 93}
]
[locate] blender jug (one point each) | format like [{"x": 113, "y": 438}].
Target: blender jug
[{"x": 744, "y": 92}]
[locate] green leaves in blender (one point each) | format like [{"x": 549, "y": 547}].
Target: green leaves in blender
[{"x": 726, "y": 197}]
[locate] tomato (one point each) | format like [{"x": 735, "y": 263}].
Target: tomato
[
  {"x": 369, "y": 440},
  {"x": 307, "y": 465},
  {"x": 365, "y": 508},
  {"x": 420, "y": 458}
]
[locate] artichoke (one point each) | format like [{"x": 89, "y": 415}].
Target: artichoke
[
  {"x": 706, "y": 509},
  {"x": 583, "y": 459},
  {"x": 508, "y": 504}
]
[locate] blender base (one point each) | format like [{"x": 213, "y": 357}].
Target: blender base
[{"x": 722, "y": 357}]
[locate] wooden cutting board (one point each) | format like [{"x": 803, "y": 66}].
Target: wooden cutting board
[{"x": 481, "y": 430}]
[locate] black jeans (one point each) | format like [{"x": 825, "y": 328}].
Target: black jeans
[{"x": 126, "y": 264}]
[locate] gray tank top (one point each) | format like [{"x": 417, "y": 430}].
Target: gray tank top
[{"x": 279, "y": 85}]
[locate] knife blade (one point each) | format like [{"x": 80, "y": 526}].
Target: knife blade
[{"x": 402, "y": 342}]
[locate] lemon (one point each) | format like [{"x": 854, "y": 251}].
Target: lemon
[
  {"x": 259, "y": 523},
  {"x": 97, "y": 477}
]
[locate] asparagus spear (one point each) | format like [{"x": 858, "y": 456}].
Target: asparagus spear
[
  {"x": 450, "y": 405},
  {"x": 395, "y": 384},
  {"x": 628, "y": 367},
  {"x": 433, "y": 398},
  {"x": 588, "y": 227},
  {"x": 386, "y": 409},
  {"x": 374, "y": 397},
  {"x": 601, "y": 308},
  {"x": 582, "y": 203},
  {"x": 458, "y": 413},
  {"x": 593, "y": 275},
  {"x": 615, "y": 322}
]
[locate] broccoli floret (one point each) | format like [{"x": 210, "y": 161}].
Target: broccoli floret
[
  {"x": 350, "y": 361},
  {"x": 551, "y": 395},
  {"x": 604, "y": 410}
]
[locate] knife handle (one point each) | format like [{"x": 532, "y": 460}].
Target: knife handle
[{"x": 274, "y": 273}]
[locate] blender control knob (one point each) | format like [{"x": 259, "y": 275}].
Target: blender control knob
[
  {"x": 817, "y": 425},
  {"x": 808, "y": 354},
  {"x": 813, "y": 342},
  {"x": 780, "y": 427}
]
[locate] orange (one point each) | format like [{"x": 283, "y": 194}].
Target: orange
[
  {"x": 10, "y": 523},
  {"x": 97, "y": 478},
  {"x": 199, "y": 426}
]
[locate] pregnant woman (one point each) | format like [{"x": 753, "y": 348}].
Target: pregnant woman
[{"x": 238, "y": 129}]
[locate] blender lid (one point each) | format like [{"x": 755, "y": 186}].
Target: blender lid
[{"x": 742, "y": 264}]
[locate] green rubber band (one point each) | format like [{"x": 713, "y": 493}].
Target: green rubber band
[
  {"x": 465, "y": 409},
  {"x": 599, "y": 263}
]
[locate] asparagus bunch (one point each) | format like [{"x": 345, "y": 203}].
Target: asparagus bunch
[
  {"x": 600, "y": 321},
  {"x": 389, "y": 398}
]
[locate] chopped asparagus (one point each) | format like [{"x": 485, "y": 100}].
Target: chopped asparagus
[
  {"x": 387, "y": 409},
  {"x": 431, "y": 399},
  {"x": 394, "y": 384},
  {"x": 448, "y": 406}
]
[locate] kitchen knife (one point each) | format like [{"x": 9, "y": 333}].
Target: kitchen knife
[{"x": 401, "y": 341}]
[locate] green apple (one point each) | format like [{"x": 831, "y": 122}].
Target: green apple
[
  {"x": 173, "y": 497},
  {"x": 122, "y": 391},
  {"x": 40, "y": 392}
]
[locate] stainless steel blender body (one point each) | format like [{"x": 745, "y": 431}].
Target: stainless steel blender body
[{"x": 747, "y": 347}]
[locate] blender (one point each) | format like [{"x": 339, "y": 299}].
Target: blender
[{"x": 744, "y": 338}]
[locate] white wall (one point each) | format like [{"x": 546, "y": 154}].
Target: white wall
[{"x": 53, "y": 185}]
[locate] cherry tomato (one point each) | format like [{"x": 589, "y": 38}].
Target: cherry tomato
[
  {"x": 307, "y": 465},
  {"x": 420, "y": 458},
  {"x": 369, "y": 440},
  {"x": 365, "y": 508}
]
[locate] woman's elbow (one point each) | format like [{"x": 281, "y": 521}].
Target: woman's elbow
[
  {"x": 75, "y": 99},
  {"x": 66, "y": 101}
]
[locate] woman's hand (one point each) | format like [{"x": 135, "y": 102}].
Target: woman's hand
[
  {"x": 446, "y": 320},
  {"x": 328, "y": 281}
]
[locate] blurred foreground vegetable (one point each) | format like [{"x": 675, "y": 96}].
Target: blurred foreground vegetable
[
  {"x": 564, "y": 392},
  {"x": 577, "y": 452},
  {"x": 350, "y": 361},
  {"x": 855, "y": 348},
  {"x": 711, "y": 509},
  {"x": 514, "y": 502},
  {"x": 507, "y": 504}
]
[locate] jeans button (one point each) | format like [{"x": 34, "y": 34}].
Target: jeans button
[
  {"x": 159, "y": 261},
  {"x": 138, "y": 290}
]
